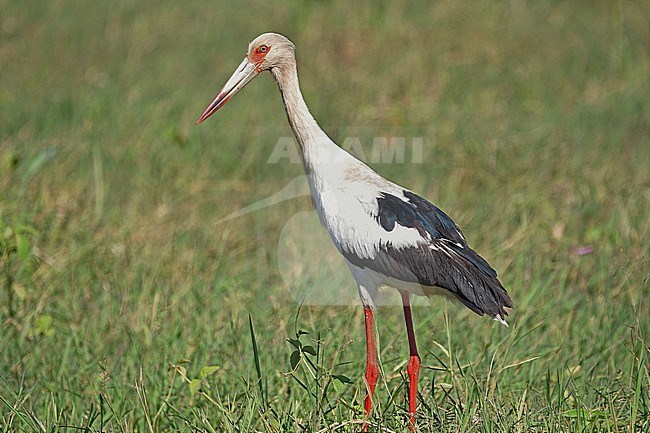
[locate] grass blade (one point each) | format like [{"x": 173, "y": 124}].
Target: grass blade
[{"x": 256, "y": 356}]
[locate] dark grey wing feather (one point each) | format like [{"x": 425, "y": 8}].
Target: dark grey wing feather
[{"x": 443, "y": 258}]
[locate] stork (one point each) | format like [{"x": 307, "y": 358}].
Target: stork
[{"x": 388, "y": 235}]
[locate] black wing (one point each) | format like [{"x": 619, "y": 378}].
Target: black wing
[{"x": 443, "y": 258}]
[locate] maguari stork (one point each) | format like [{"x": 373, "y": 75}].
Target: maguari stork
[{"x": 388, "y": 235}]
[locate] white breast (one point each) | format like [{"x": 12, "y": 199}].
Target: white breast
[{"x": 345, "y": 191}]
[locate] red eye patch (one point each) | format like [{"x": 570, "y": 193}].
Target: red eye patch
[{"x": 259, "y": 53}]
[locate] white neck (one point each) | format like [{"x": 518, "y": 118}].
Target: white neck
[
  {"x": 321, "y": 157},
  {"x": 302, "y": 123},
  {"x": 317, "y": 148}
]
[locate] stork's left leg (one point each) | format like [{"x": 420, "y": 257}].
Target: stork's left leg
[
  {"x": 413, "y": 368},
  {"x": 372, "y": 367}
]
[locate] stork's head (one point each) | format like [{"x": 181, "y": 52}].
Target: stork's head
[
  {"x": 266, "y": 52},
  {"x": 270, "y": 50}
]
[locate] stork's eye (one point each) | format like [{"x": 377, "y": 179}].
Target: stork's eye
[{"x": 260, "y": 53}]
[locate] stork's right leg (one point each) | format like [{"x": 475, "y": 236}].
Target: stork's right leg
[
  {"x": 413, "y": 368},
  {"x": 372, "y": 368}
]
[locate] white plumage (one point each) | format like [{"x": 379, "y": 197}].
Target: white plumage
[{"x": 345, "y": 196}]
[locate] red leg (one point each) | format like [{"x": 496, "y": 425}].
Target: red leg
[
  {"x": 413, "y": 368},
  {"x": 372, "y": 368}
]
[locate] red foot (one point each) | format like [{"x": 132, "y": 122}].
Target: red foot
[
  {"x": 413, "y": 370},
  {"x": 372, "y": 375}
]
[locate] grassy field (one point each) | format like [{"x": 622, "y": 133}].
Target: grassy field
[{"x": 128, "y": 305}]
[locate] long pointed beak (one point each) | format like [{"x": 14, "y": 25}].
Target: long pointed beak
[{"x": 244, "y": 73}]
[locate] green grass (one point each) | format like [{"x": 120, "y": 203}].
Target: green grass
[{"x": 121, "y": 287}]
